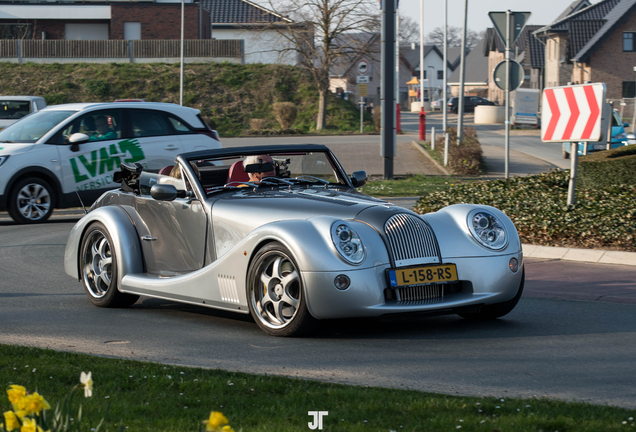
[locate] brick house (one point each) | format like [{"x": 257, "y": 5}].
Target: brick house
[
  {"x": 108, "y": 20},
  {"x": 596, "y": 43}
]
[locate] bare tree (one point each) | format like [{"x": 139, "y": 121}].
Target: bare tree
[
  {"x": 454, "y": 35},
  {"x": 409, "y": 29},
  {"x": 324, "y": 33}
]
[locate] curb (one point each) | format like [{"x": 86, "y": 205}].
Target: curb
[
  {"x": 582, "y": 255},
  {"x": 430, "y": 158}
]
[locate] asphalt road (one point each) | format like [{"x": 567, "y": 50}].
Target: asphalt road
[{"x": 549, "y": 346}]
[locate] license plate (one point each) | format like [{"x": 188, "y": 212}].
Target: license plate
[
  {"x": 599, "y": 146},
  {"x": 423, "y": 275}
]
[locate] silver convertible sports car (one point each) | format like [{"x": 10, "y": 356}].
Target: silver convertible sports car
[{"x": 280, "y": 232}]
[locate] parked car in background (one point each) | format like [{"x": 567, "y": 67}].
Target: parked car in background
[
  {"x": 437, "y": 105},
  {"x": 290, "y": 247},
  {"x": 13, "y": 108},
  {"x": 54, "y": 156},
  {"x": 619, "y": 138},
  {"x": 470, "y": 102}
]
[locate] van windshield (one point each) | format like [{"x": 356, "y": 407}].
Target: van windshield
[
  {"x": 33, "y": 127},
  {"x": 14, "y": 109}
]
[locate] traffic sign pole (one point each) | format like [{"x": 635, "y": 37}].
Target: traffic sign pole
[{"x": 507, "y": 104}]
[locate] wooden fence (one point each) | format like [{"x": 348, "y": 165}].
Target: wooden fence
[{"x": 87, "y": 49}]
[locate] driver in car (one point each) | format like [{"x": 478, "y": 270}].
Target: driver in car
[{"x": 253, "y": 163}]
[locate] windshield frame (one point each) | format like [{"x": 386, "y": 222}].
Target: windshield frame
[{"x": 19, "y": 128}]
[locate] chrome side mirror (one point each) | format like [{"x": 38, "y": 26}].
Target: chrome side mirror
[
  {"x": 163, "y": 192},
  {"x": 359, "y": 178}
]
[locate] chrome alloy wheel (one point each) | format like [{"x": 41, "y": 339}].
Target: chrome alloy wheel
[
  {"x": 98, "y": 264},
  {"x": 33, "y": 201},
  {"x": 275, "y": 290}
]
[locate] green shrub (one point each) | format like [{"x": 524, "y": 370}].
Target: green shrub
[
  {"x": 602, "y": 218},
  {"x": 98, "y": 87},
  {"x": 608, "y": 168},
  {"x": 285, "y": 113},
  {"x": 464, "y": 159}
]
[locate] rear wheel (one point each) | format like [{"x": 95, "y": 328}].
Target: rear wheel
[
  {"x": 498, "y": 310},
  {"x": 275, "y": 293},
  {"x": 99, "y": 269},
  {"x": 31, "y": 201}
]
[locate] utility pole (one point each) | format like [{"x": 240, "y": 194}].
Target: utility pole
[
  {"x": 445, "y": 107},
  {"x": 462, "y": 72},
  {"x": 422, "y": 58},
  {"x": 388, "y": 86}
]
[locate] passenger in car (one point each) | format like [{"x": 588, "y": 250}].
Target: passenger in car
[
  {"x": 176, "y": 173},
  {"x": 256, "y": 160}
]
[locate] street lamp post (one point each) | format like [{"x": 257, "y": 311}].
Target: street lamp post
[{"x": 181, "y": 76}]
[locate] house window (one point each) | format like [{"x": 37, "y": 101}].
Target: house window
[
  {"x": 629, "y": 89},
  {"x": 425, "y": 75},
  {"x": 628, "y": 41},
  {"x": 440, "y": 75}
]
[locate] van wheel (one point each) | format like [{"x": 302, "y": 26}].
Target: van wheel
[{"x": 31, "y": 201}]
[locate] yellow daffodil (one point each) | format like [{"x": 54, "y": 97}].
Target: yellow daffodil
[
  {"x": 29, "y": 425},
  {"x": 16, "y": 392},
  {"x": 31, "y": 404},
  {"x": 11, "y": 421},
  {"x": 87, "y": 383},
  {"x": 215, "y": 421},
  {"x": 227, "y": 428}
]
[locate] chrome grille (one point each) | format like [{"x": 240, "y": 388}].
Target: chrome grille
[
  {"x": 410, "y": 238},
  {"x": 419, "y": 293}
]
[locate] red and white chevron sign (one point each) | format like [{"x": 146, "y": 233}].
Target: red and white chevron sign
[{"x": 572, "y": 113}]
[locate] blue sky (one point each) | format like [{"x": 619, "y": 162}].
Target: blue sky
[{"x": 543, "y": 11}]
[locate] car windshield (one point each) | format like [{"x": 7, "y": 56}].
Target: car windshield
[
  {"x": 32, "y": 127},
  {"x": 306, "y": 169},
  {"x": 13, "y": 110}
]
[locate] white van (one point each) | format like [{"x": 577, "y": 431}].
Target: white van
[
  {"x": 50, "y": 157},
  {"x": 13, "y": 108}
]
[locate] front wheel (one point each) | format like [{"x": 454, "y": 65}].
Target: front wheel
[
  {"x": 275, "y": 293},
  {"x": 498, "y": 310},
  {"x": 99, "y": 269},
  {"x": 31, "y": 201}
]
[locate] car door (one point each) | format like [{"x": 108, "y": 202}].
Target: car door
[
  {"x": 173, "y": 233},
  {"x": 157, "y": 139},
  {"x": 90, "y": 168}
]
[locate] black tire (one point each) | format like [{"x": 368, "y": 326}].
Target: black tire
[
  {"x": 31, "y": 201},
  {"x": 498, "y": 310},
  {"x": 566, "y": 155},
  {"x": 275, "y": 293},
  {"x": 98, "y": 269}
]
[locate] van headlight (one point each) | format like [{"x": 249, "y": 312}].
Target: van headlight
[
  {"x": 3, "y": 159},
  {"x": 347, "y": 242},
  {"x": 487, "y": 229}
]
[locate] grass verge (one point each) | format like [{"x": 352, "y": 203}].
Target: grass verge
[{"x": 153, "y": 397}]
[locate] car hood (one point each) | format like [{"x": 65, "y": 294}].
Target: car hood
[
  {"x": 237, "y": 214},
  {"x": 15, "y": 148}
]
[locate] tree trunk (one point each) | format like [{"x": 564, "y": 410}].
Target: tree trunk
[{"x": 322, "y": 110}]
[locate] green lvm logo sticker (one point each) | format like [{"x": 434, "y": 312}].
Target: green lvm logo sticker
[{"x": 104, "y": 161}]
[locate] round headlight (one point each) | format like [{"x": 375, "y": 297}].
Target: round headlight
[
  {"x": 487, "y": 229},
  {"x": 347, "y": 242}
]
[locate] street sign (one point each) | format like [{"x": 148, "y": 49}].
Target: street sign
[
  {"x": 362, "y": 79},
  {"x": 517, "y": 19},
  {"x": 363, "y": 67},
  {"x": 362, "y": 90},
  {"x": 572, "y": 113},
  {"x": 516, "y": 75}
]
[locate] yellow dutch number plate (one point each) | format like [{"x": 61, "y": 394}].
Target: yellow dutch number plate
[{"x": 423, "y": 275}]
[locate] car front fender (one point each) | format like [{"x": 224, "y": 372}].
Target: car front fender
[{"x": 123, "y": 235}]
